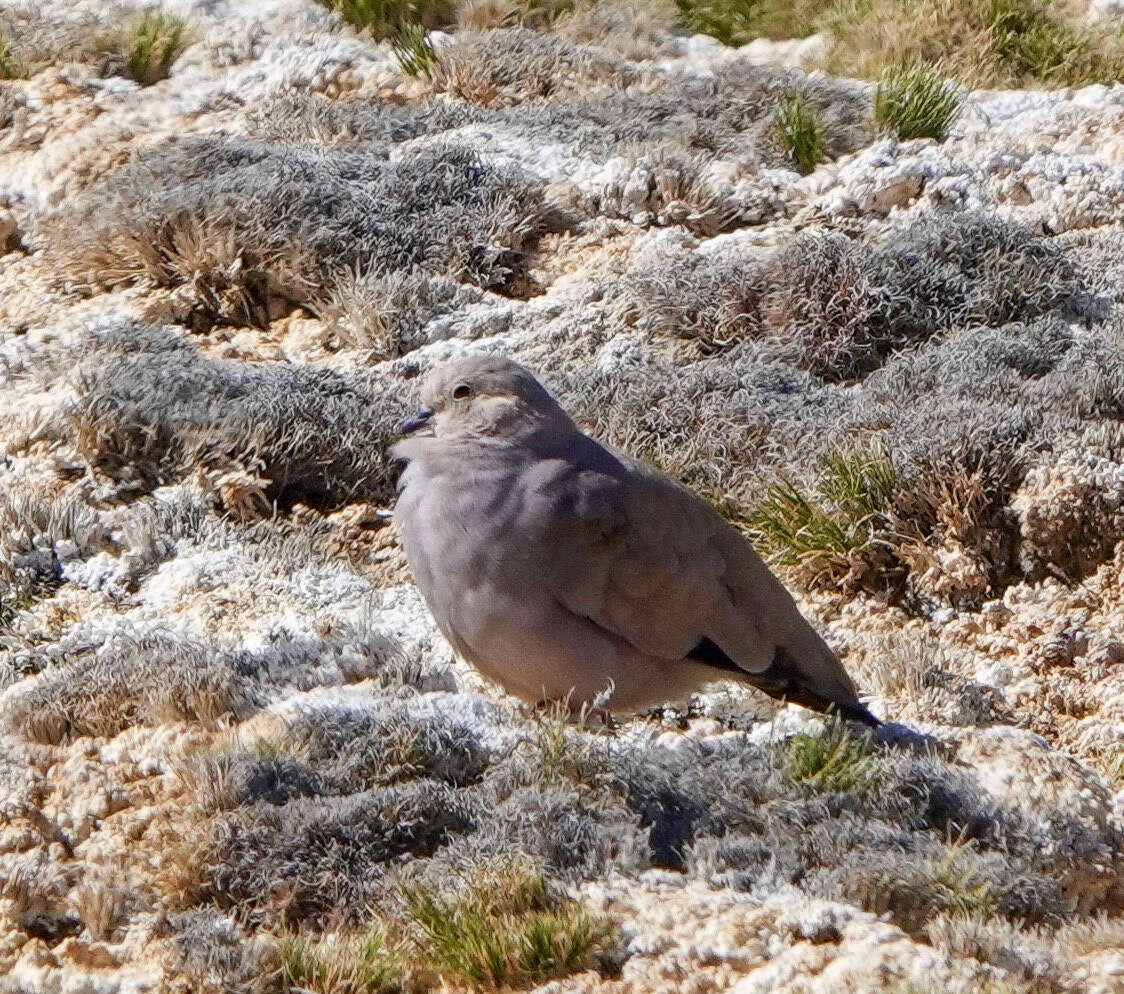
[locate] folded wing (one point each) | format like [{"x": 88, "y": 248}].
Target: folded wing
[{"x": 649, "y": 561}]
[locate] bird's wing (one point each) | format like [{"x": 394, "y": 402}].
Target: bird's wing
[{"x": 649, "y": 561}]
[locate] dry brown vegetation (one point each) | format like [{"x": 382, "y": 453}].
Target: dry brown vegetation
[{"x": 995, "y": 43}]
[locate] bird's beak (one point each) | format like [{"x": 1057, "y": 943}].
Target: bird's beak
[{"x": 419, "y": 420}]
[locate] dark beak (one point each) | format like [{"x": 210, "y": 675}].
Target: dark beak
[{"x": 419, "y": 420}]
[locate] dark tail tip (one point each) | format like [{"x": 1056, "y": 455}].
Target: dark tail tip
[
  {"x": 858, "y": 712},
  {"x": 783, "y": 680}
]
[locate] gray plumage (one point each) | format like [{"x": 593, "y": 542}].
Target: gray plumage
[{"x": 557, "y": 565}]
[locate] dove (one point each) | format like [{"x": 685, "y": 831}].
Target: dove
[{"x": 561, "y": 568}]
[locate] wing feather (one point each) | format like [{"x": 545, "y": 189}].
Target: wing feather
[{"x": 647, "y": 560}]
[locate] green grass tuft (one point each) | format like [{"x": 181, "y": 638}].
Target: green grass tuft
[
  {"x": 798, "y": 531},
  {"x": 7, "y": 64},
  {"x": 800, "y": 132},
  {"x": 916, "y": 102},
  {"x": 152, "y": 45},
  {"x": 388, "y": 18},
  {"x": 826, "y": 532},
  {"x": 341, "y": 964},
  {"x": 736, "y": 22},
  {"x": 504, "y": 929},
  {"x": 729, "y": 22},
  {"x": 415, "y": 54},
  {"x": 859, "y": 483},
  {"x": 833, "y": 762},
  {"x": 1031, "y": 39}
]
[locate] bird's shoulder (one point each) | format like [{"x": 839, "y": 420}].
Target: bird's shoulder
[
  {"x": 611, "y": 494},
  {"x": 566, "y": 495}
]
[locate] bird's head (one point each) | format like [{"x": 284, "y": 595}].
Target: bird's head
[{"x": 486, "y": 397}]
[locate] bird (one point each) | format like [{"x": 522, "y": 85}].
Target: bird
[{"x": 563, "y": 569}]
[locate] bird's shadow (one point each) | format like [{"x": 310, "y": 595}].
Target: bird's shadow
[{"x": 894, "y": 735}]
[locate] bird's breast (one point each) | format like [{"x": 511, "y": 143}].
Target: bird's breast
[
  {"x": 458, "y": 527},
  {"x": 458, "y": 537}
]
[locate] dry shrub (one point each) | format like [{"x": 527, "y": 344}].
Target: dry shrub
[
  {"x": 814, "y": 297},
  {"x": 241, "y": 222},
  {"x": 28, "y": 520},
  {"x": 1091, "y": 936},
  {"x": 1024, "y": 953},
  {"x": 944, "y": 272},
  {"x": 840, "y": 307},
  {"x": 106, "y": 684},
  {"x": 31, "y": 42},
  {"x": 922, "y": 679},
  {"x": 102, "y": 899},
  {"x": 894, "y": 667},
  {"x": 388, "y": 314},
  {"x": 956, "y": 880},
  {"x": 990, "y": 44},
  {"x": 320, "y": 858},
  {"x": 151, "y": 410},
  {"x": 635, "y": 31},
  {"x": 486, "y": 15},
  {"x": 688, "y": 295},
  {"x": 502, "y": 68},
  {"x": 842, "y": 818},
  {"x": 149, "y": 680},
  {"x": 233, "y": 283},
  {"x": 211, "y": 954},
  {"x": 669, "y": 187},
  {"x": 231, "y": 774},
  {"x": 726, "y": 115},
  {"x": 818, "y": 298}
]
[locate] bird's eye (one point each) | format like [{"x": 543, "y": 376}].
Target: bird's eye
[{"x": 462, "y": 391}]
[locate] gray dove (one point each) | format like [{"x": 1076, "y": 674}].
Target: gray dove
[{"x": 558, "y": 566}]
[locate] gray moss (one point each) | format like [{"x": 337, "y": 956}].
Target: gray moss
[
  {"x": 250, "y": 224},
  {"x": 729, "y": 114},
  {"x": 98, "y": 683},
  {"x": 841, "y": 307},
  {"x": 325, "y": 856},
  {"x": 152, "y": 410},
  {"x": 915, "y": 836}
]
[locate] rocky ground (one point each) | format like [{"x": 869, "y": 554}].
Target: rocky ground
[{"x": 232, "y": 743}]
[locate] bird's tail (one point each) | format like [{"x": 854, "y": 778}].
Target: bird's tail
[
  {"x": 808, "y": 674},
  {"x": 785, "y": 679}
]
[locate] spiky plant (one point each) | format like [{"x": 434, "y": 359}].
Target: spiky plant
[
  {"x": 915, "y": 101},
  {"x": 800, "y": 132}
]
